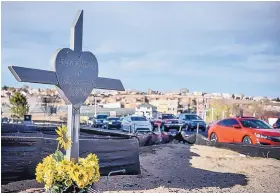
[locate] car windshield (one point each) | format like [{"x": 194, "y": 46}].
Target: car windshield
[
  {"x": 255, "y": 123},
  {"x": 168, "y": 116},
  {"x": 114, "y": 119},
  {"x": 101, "y": 116},
  {"x": 138, "y": 119},
  {"x": 192, "y": 117}
]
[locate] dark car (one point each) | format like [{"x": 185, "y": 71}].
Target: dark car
[
  {"x": 112, "y": 122},
  {"x": 99, "y": 120},
  {"x": 4, "y": 120},
  {"x": 192, "y": 121},
  {"x": 276, "y": 125}
]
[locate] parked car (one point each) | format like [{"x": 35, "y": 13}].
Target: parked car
[
  {"x": 90, "y": 121},
  {"x": 99, "y": 120},
  {"x": 112, "y": 122},
  {"x": 244, "y": 130},
  {"x": 15, "y": 121},
  {"x": 190, "y": 121},
  {"x": 135, "y": 123},
  {"x": 4, "y": 120},
  {"x": 276, "y": 125},
  {"x": 167, "y": 122}
]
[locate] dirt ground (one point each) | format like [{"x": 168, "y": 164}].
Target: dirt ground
[{"x": 182, "y": 168}]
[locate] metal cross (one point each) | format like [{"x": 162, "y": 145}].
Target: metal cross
[{"x": 75, "y": 75}]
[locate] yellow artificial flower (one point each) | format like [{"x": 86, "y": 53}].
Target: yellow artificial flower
[
  {"x": 81, "y": 179},
  {"x": 39, "y": 173},
  {"x": 49, "y": 179},
  {"x": 68, "y": 182},
  {"x": 63, "y": 138},
  {"x": 92, "y": 158},
  {"x": 74, "y": 171},
  {"x": 41, "y": 167},
  {"x": 83, "y": 173}
]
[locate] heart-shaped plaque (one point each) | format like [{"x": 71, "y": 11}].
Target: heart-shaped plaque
[{"x": 76, "y": 74}]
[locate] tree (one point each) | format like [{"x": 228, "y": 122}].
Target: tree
[
  {"x": 146, "y": 100},
  {"x": 193, "y": 106},
  {"x": 276, "y": 99},
  {"x": 236, "y": 110},
  {"x": 49, "y": 104},
  {"x": 63, "y": 118},
  {"x": 184, "y": 91},
  {"x": 5, "y": 87},
  {"x": 8, "y": 94},
  {"x": 220, "y": 110},
  {"x": 257, "y": 109},
  {"x": 19, "y": 105}
]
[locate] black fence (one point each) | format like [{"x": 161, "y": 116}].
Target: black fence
[
  {"x": 23, "y": 147},
  {"x": 263, "y": 151}
]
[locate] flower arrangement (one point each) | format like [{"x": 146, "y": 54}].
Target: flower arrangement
[{"x": 62, "y": 175}]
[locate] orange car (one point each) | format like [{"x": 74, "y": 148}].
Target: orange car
[{"x": 244, "y": 130}]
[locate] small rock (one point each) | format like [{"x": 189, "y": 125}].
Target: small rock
[{"x": 32, "y": 190}]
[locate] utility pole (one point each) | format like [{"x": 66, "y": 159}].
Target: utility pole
[{"x": 94, "y": 103}]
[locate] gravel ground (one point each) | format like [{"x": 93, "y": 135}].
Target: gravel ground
[{"x": 183, "y": 168}]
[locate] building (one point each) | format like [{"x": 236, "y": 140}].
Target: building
[
  {"x": 166, "y": 105},
  {"x": 184, "y": 91},
  {"x": 146, "y": 110},
  {"x": 227, "y": 96},
  {"x": 113, "y": 105},
  {"x": 259, "y": 98}
]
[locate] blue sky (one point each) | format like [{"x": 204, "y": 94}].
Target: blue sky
[{"x": 203, "y": 46}]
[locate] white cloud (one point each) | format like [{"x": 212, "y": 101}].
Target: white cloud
[{"x": 130, "y": 39}]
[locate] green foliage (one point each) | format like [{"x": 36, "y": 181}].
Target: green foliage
[
  {"x": 220, "y": 110},
  {"x": 5, "y": 87},
  {"x": 19, "y": 105},
  {"x": 58, "y": 156}
]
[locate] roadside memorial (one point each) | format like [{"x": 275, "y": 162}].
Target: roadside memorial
[{"x": 75, "y": 75}]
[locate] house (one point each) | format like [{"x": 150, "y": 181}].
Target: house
[
  {"x": 146, "y": 110},
  {"x": 227, "y": 95},
  {"x": 166, "y": 105}
]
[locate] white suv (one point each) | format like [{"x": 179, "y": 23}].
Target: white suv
[{"x": 135, "y": 123}]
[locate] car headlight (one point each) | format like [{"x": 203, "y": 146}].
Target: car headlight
[{"x": 261, "y": 136}]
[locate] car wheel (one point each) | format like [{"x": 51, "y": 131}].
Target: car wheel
[
  {"x": 247, "y": 140},
  {"x": 213, "y": 137}
]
